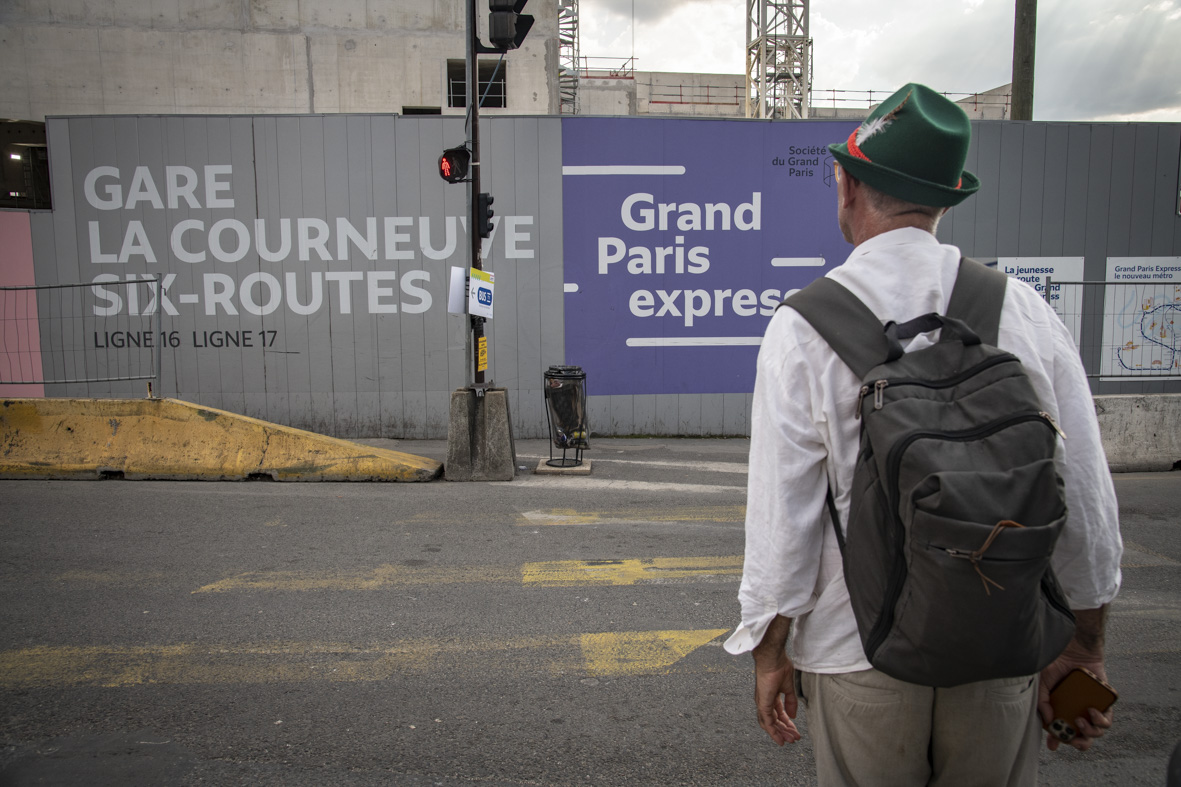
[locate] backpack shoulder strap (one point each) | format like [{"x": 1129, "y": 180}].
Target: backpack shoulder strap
[
  {"x": 977, "y": 298},
  {"x": 841, "y": 318}
]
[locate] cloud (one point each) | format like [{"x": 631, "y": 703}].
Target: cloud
[
  {"x": 876, "y": 46},
  {"x": 1115, "y": 67},
  {"x": 645, "y": 10},
  {"x": 1091, "y": 63},
  {"x": 695, "y": 36}
]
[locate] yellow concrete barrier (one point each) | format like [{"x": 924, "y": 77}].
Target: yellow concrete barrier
[{"x": 171, "y": 439}]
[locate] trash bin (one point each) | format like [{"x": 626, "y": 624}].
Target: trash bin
[{"x": 565, "y": 409}]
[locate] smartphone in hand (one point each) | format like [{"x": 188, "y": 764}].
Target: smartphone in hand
[{"x": 1079, "y": 690}]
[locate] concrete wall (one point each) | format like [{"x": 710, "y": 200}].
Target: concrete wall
[
  {"x": 665, "y": 94},
  {"x": 696, "y": 95},
  {"x": 1141, "y": 432},
  {"x": 611, "y": 97},
  {"x": 74, "y": 57}
]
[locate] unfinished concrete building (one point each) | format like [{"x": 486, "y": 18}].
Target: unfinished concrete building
[{"x": 73, "y": 57}]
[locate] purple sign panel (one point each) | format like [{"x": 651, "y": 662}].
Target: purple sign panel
[{"x": 681, "y": 238}]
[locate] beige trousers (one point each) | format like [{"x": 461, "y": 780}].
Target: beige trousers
[{"x": 871, "y": 730}]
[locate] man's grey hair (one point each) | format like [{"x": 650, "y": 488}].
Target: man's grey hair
[{"x": 889, "y": 206}]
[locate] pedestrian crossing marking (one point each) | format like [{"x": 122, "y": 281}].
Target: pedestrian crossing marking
[
  {"x": 614, "y": 654},
  {"x": 641, "y": 652},
  {"x": 381, "y": 577},
  {"x": 557, "y": 573},
  {"x": 659, "y": 570},
  {"x": 693, "y": 514}
]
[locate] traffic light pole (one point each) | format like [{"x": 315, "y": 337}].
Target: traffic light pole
[
  {"x": 473, "y": 107},
  {"x": 480, "y": 443}
]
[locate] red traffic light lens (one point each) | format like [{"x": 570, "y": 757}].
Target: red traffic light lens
[{"x": 453, "y": 164}]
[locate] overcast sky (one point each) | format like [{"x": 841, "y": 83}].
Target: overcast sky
[{"x": 1090, "y": 64}]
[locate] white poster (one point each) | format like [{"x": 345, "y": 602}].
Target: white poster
[
  {"x": 457, "y": 292},
  {"x": 1065, "y": 299},
  {"x": 1142, "y": 304}
]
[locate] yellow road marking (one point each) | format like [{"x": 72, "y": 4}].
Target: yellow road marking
[
  {"x": 602, "y": 655},
  {"x": 569, "y": 516},
  {"x": 558, "y": 573},
  {"x": 380, "y": 577},
  {"x": 641, "y": 652},
  {"x": 570, "y": 573}
]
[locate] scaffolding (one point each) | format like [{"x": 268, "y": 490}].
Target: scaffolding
[
  {"x": 778, "y": 59},
  {"x": 568, "y": 59}
]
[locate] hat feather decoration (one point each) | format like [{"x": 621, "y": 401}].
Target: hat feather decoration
[{"x": 871, "y": 127}]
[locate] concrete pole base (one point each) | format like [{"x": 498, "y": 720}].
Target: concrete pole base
[{"x": 480, "y": 437}]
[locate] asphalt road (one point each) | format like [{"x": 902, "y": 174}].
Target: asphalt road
[{"x": 545, "y": 631}]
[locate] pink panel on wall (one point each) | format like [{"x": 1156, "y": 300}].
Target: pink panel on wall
[{"x": 20, "y": 337}]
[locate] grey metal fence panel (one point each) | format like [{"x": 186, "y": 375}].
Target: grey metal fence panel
[
  {"x": 1032, "y": 190},
  {"x": 1011, "y": 212},
  {"x": 1052, "y": 227},
  {"x": 297, "y": 328},
  {"x": 1078, "y": 183},
  {"x": 411, "y": 327},
  {"x": 387, "y": 338},
  {"x": 360, "y": 163},
  {"x": 339, "y": 393},
  {"x": 1119, "y": 212},
  {"x": 1141, "y": 206},
  {"x": 987, "y": 139},
  {"x": 50, "y": 337},
  {"x": 546, "y": 231},
  {"x": 1167, "y": 190},
  {"x": 736, "y": 414},
  {"x": 267, "y": 396}
]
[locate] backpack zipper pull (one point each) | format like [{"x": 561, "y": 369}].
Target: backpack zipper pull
[
  {"x": 878, "y": 388},
  {"x": 860, "y": 396},
  {"x": 1050, "y": 420}
]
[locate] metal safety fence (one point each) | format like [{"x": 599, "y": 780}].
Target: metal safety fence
[
  {"x": 1123, "y": 330},
  {"x": 93, "y": 332}
]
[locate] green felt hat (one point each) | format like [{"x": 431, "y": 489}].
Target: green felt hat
[{"x": 913, "y": 147}]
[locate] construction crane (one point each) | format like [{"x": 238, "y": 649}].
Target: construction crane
[
  {"x": 569, "y": 65},
  {"x": 778, "y": 59}
]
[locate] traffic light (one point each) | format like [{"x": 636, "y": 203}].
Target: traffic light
[
  {"x": 453, "y": 164},
  {"x": 507, "y": 26},
  {"x": 484, "y": 214}
]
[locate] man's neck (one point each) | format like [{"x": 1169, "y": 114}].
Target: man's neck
[{"x": 873, "y": 225}]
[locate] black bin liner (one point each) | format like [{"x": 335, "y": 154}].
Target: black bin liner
[{"x": 565, "y": 402}]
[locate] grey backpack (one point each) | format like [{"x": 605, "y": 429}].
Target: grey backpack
[{"x": 956, "y": 500}]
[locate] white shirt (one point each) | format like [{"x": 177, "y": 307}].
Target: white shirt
[{"x": 804, "y": 437}]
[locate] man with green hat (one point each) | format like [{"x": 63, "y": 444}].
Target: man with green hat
[{"x": 896, "y": 175}]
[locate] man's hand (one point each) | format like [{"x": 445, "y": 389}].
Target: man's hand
[
  {"x": 1086, "y": 651},
  {"x": 775, "y": 694},
  {"x": 775, "y": 698}
]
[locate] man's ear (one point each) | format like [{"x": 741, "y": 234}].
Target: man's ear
[{"x": 849, "y": 188}]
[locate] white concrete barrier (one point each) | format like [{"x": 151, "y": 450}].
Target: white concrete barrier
[{"x": 1140, "y": 431}]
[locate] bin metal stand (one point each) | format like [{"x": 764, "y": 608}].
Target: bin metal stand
[{"x": 565, "y": 411}]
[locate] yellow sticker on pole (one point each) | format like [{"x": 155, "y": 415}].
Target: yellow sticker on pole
[{"x": 482, "y": 354}]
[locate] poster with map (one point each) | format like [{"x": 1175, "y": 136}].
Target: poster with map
[{"x": 1141, "y": 315}]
